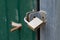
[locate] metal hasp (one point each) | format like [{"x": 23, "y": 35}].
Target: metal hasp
[{"x": 35, "y": 19}]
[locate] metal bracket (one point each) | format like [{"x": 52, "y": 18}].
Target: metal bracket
[{"x": 40, "y": 14}]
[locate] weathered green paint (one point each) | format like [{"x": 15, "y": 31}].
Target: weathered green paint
[
  {"x": 3, "y": 24},
  {"x": 15, "y": 10},
  {"x": 26, "y": 33},
  {"x": 12, "y": 16}
]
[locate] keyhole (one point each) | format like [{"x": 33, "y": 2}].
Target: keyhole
[
  {"x": 42, "y": 17},
  {"x": 34, "y": 16}
]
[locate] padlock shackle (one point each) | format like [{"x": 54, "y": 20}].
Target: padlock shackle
[{"x": 26, "y": 20}]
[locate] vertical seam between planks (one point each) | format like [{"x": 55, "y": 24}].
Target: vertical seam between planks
[{"x": 18, "y": 8}]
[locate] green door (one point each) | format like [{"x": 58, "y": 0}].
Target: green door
[{"x": 15, "y": 10}]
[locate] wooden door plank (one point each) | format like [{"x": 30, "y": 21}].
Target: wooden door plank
[
  {"x": 3, "y": 21},
  {"x": 12, "y": 15},
  {"x": 26, "y": 32},
  {"x": 48, "y": 32}
]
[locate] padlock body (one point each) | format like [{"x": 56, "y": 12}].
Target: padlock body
[{"x": 35, "y": 23}]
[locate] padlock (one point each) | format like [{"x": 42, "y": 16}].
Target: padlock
[
  {"x": 35, "y": 18},
  {"x": 34, "y": 23}
]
